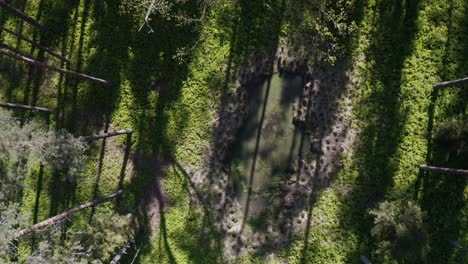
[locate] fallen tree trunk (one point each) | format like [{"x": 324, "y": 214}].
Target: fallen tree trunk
[
  {"x": 106, "y": 135},
  {"x": 450, "y": 83},
  {"x": 2, "y": 45},
  {"x": 458, "y": 246},
  {"x": 25, "y": 107},
  {"x": 22, "y": 15},
  {"x": 365, "y": 260},
  {"x": 117, "y": 258},
  {"x": 53, "y": 68},
  {"x": 35, "y": 44},
  {"x": 66, "y": 214},
  {"x": 444, "y": 170}
]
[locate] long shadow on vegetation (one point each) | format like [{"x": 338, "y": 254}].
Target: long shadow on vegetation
[
  {"x": 442, "y": 191},
  {"x": 152, "y": 62},
  {"x": 377, "y": 160}
]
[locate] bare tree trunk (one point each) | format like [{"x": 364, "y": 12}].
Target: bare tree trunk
[
  {"x": 53, "y": 68},
  {"x": 365, "y": 260},
  {"x": 117, "y": 258},
  {"x": 106, "y": 135},
  {"x": 25, "y": 107},
  {"x": 458, "y": 246},
  {"x": 450, "y": 83},
  {"x": 444, "y": 170},
  {"x": 39, "y": 46},
  {"x": 66, "y": 214},
  {"x": 22, "y": 15}
]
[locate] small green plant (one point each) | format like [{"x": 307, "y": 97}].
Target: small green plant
[{"x": 399, "y": 232}]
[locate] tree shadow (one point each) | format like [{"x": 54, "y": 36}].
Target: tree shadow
[
  {"x": 102, "y": 152},
  {"x": 128, "y": 147},
  {"x": 254, "y": 40},
  {"x": 377, "y": 157},
  {"x": 34, "y": 73},
  {"x": 441, "y": 191},
  {"x": 36, "y": 203},
  {"x": 151, "y": 61},
  {"x": 208, "y": 238},
  {"x": 64, "y": 82},
  {"x": 11, "y": 72},
  {"x": 253, "y": 166}
]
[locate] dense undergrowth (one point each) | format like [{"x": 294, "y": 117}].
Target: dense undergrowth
[{"x": 396, "y": 51}]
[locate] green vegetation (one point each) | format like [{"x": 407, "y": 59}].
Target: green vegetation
[
  {"x": 392, "y": 52},
  {"x": 400, "y": 232}
]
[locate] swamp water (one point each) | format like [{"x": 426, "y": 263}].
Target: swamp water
[{"x": 267, "y": 144}]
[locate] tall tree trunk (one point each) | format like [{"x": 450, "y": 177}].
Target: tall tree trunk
[
  {"x": 66, "y": 214},
  {"x": 39, "y": 46},
  {"x": 53, "y": 68},
  {"x": 450, "y": 83},
  {"x": 20, "y": 14},
  {"x": 444, "y": 170}
]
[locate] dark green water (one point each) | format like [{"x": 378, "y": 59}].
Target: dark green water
[{"x": 267, "y": 143}]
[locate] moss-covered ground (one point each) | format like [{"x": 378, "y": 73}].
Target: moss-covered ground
[{"x": 398, "y": 50}]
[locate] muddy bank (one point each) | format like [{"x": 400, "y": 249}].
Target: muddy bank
[{"x": 278, "y": 140}]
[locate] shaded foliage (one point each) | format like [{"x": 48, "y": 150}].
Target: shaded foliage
[
  {"x": 400, "y": 232},
  {"x": 453, "y": 134}
]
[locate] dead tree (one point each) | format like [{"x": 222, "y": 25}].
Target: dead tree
[
  {"x": 35, "y": 44},
  {"x": 25, "y": 107},
  {"x": 20, "y": 14},
  {"x": 117, "y": 258},
  {"x": 17, "y": 51},
  {"x": 458, "y": 246},
  {"x": 106, "y": 135},
  {"x": 450, "y": 83},
  {"x": 66, "y": 214},
  {"x": 365, "y": 260},
  {"x": 53, "y": 68},
  {"x": 444, "y": 170},
  {"x": 29, "y": 108}
]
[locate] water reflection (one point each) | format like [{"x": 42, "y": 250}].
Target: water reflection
[{"x": 267, "y": 143}]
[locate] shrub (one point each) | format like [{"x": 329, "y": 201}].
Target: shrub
[
  {"x": 399, "y": 232},
  {"x": 453, "y": 133}
]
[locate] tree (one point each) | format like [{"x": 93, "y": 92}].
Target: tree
[
  {"x": 95, "y": 244},
  {"x": 165, "y": 9},
  {"x": 399, "y": 232},
  {"x": 23, "y": 146},
  {"x": 321, "y": 29},
  {"x": 66, "y": 214}
]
